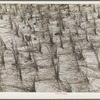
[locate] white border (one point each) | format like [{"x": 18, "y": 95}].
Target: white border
[
  {"x": 25, "y": 95},
  {"x": 51, "y": 2}
]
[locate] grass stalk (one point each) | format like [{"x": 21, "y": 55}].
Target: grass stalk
[
  {"x": 16, "y": 58},
  {"x": 33, "y": 89}
]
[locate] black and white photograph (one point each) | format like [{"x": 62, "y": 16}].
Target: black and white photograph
[{"x": 49, "y": 48}]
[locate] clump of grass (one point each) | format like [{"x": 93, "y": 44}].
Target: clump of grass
[
  {"x": 33, "y": 58},
  {"x": 23, "y": 17},
  {"x": 51, "y": 55},
  {"x": 28, "y": 41},
  {"x": 68, "y": 88},
  {"x": 16, "y": 29},
  {"x": 61, "y": 25},
  {"x": 81, "y": 57},
  {"x": 28, "y": 38},
  {"x": 16, "y": 58},
  {"x": 50, "y": 34},
  {"x": 76, "y": 59},
  {"x": 30, "y": 12},
  {"x": 71, "y": 41},
  {"x": 41, "y": 16},
  {"x": 28, "y": 24},
  {"x": 28, "y": 50},
  {"x": 57, "y": 77},
  {"x": 48, "y": 30},
  {"x": 55, "y": 66},
  {"x": 96, "y": 54},
  {"x": 86, "y": 80}
]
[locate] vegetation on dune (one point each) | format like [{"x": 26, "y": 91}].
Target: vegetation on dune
[{"x": 64, "y": 30}]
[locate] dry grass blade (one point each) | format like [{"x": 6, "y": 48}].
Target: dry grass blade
[
  {"x": 57, "y": 71},
  {"x": 41, "y": 16},
  {"x": 77, "y": 64},
  {"x": 28, "y": 42},
  {"x": 16, "y": 58},
  {"x": 16, "y": 29},
  {"x": 97, "y": 57},
  {"x": 33, "y": 89},
  {"x": 71, "y": 41},
  {"x": 96, "y": 53},
  {"x": 91, "y": 45},
  {"x": 95, "y": 30},
  {"x": 94, "y": 8},
  {"x": 86, "y": 36},
  {"x": 86, "y": 15},
  {"x": 76, "y": 28},
  {"x": 1, "y": 89},
  {"x": 11, "y": 22},
  {"x": 2, "y": 57},
  {"x": 81, "y": 57},
  {"x": 61, "y": 25},
  {"x": 22, "y": 35},
  {"x": 51, "y": 39},
  {"x": 29, "y": 54},
  {"x": 55, "y": 51},
  {"x": 51, "y": 55},
  {"x": 35, "y": 62},
  {"x": 98, "y": 12},
  {"x": 3, "y": 48},
  {"x": 40, "y": 47},
  {"x": 68, "y": 10},
  {"x": 61, "y": 42}
]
